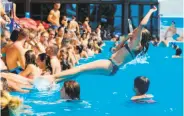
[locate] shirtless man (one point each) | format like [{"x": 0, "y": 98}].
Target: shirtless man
[
  {"x": 86, "y": 26},
  {"x": 73, "y": 25},
  {"x": 54, "y": 16},
  {"x": 51, "y": 39},
  {"x": 52, "y": 52},
  {"x": 15, "y": 53},
  {"x": 15, "y": 82}
]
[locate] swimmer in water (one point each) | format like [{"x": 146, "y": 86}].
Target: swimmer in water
[
  {"x": 125, "y": 52},
  {"x": 141, "y": 86},
  {"x": 178, "y": 51},
  {"x": 70, "y": 90}
]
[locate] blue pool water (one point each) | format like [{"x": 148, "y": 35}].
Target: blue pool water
[{"x": 110, "y": 95}]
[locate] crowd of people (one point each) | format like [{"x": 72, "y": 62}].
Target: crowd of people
[{"x": 37, "y": 50}]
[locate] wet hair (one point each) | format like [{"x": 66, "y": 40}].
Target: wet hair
[
  {"x": 141, "y": 83},
  {"x": 14, "y": 35},
  {"x": 178, "y": 52},
  {"x": 72, "y": 89},
  {"x": 146, "y": 38},
  {"x": 30, "y": 57},
  {"x": 4, "y": 84}
]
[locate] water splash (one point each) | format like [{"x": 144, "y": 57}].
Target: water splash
[
  {"x": 44, "y": 102},
  {"x": 44, "y": 85},
  {"x": 44, "y": 113},
  {"x": 140, "y": 59}
]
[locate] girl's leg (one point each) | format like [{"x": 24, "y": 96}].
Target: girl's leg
[{"x": 99, "y": 66}]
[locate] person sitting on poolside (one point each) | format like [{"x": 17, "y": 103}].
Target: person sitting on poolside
[
  {"x": 141, "y": 86},
  {"x": 178, "y": 51},
  {"x": 15, "y": 53},
  {"x": 54, "y": 16},
  {"x": 70, "y": 90},
  {"x": 126, "y": 52},
  {"x": 31, "y": 69}
]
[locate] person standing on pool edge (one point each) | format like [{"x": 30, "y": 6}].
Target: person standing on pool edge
[
  {"x": 54, "y": 16},
  {"x": 125, "y": 52}
]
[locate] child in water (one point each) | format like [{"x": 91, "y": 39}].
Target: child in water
[{"x": 141, "y": 86}]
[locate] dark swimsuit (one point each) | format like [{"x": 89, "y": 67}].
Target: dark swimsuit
[
  {"x": 16, "y": 70},
  {"x": 115, "y": 67}
]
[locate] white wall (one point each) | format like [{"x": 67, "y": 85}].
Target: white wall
[{"x": 171, "y": 8}]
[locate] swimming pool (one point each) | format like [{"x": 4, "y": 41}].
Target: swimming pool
[{"x": 110, "y": 95}]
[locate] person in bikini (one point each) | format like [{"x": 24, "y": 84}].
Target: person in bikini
[
  {"x": 54, "y": 16},
  {"x": 125, "y": 52}
]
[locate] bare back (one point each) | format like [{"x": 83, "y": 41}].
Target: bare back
[
  {"x": 55, "y": 64},
  {"x": 15, "y": 53},
  {"x": 73, "y": 25}
]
